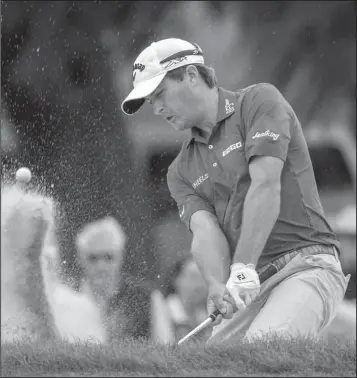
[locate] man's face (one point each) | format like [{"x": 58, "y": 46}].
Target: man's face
[{"x": 177, "y": 102}]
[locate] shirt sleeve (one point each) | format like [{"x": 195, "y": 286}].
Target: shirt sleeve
[
  {"x": 186, "y": 198},
  {"x": 268, "y": 121}
]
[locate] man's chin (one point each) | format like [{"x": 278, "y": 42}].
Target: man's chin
[{"x": 179, "y": 126}]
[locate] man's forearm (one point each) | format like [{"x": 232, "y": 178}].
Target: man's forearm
[
  {"x": 210, "y": 250},
  {"x": 260, "y": 212}
]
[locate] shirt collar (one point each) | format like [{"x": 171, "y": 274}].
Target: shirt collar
[{"x": 226, "y": 107}]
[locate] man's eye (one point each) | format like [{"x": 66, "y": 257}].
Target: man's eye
[{"x": 108, "y": 257}]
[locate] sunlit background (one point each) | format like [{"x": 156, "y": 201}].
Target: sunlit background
[{"x": 66, "y": 66}]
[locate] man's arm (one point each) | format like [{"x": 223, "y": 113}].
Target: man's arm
[
  {"x": 210, "y": 251},
  {"x": 268, "y": 120},
  {"x": 261, "y": 208},
  {"x": 210, "y": 247}
]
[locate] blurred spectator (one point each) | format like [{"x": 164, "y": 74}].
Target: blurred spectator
[
  {"x": 100, "y": 245},
  {"x": 182, "y": 307},
  {"x": 88, "y": 314}
]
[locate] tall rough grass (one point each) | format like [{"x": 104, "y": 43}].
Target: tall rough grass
[{"x": 269, "y": 357}]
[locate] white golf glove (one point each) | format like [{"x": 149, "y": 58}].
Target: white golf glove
[{"x": 243, "y": 284}]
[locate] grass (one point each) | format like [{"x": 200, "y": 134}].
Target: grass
[{"x": 274, "y": 357}]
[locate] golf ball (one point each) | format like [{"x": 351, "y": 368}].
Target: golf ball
[{"x": 23, "y": 175}]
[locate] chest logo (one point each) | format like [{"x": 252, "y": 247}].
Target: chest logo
[
  {"x": 231, "y": 148},
  {"x": 229, "y": 106},
  {"x": 200, "y": 180}
]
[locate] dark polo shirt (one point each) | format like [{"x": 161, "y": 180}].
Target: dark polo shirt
[{"x": 213, "y": 174}]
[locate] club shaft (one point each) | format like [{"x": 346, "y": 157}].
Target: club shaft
[
  {"x": 204, "y": 324},
  {"x": 201, "y": 326}
]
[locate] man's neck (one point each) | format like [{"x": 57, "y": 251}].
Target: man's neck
[{"x": 210, "y": 111}]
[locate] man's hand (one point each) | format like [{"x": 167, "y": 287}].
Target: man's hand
[
  {"x": 219, "y": 298},
  {"x": 243, "y": 284}
]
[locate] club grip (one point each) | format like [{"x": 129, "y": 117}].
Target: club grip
[{"x": 214, "y": 315}]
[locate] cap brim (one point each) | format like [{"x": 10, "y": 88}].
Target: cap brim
[{"x": 135, "y": 99}]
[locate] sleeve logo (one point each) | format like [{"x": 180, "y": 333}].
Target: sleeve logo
[{"x": 267, "y": 133}]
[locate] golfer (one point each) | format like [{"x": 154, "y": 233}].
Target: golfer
[{"x": 245, "y": 187}]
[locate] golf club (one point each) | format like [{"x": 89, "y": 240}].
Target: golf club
[{"x": 201, "y": 326}]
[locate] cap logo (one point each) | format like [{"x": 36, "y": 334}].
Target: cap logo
[
  {"x": 173, "y": 62},
  {"x": 138, "y": 66}
]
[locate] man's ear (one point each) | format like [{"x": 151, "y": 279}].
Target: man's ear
[{"x": 192, "y": 73}]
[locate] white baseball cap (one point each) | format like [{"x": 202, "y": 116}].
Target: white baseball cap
[{"x": 152, "y": 64}]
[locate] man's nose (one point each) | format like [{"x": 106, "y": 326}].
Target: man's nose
[{"x": 158, "y": 107}]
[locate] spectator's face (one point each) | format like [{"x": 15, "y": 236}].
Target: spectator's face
[
  {"x": 177, "y": 102},
  {"x": 101, "y": 269}
]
